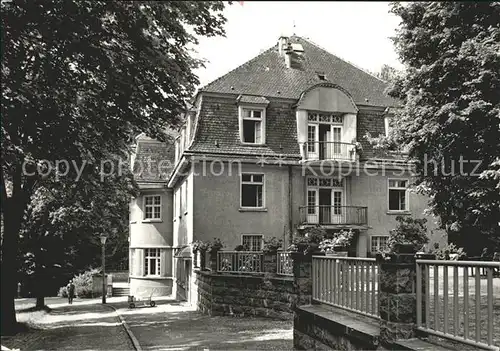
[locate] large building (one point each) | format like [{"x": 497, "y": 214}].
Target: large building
[{"x": 273, "y": 147}]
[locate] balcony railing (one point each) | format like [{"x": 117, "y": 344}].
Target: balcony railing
[
  {"x": 330, "y": 150},
  {"x": 330, "y": 214}
]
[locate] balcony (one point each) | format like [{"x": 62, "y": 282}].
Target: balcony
[
  {"x": 330, "y": 150},
  {"x": 335, "y": 216}
]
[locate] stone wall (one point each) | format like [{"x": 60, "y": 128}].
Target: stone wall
[
  {"x": 318, "y": 327},
  {"x": 246, "y": 295}
]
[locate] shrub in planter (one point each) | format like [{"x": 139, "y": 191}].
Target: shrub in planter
[
  {"x": 409, "y": 236},
  {"x": 200, "y": 245},
  {"x": 339, "y": 242},
  {"x": 242, "y": 248},
  {"x": 272, "y": 245},
  {"x": 448, "y": 251},
  {"x": 308, "y": 243},
  {"x": 215, "y": 245}
]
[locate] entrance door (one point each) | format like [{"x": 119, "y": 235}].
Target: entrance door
[
  {"x": 337, "y": 210},
  {"x": 187, "y": 281},
  {"x": 312, "y": 206},
  {"x": 325, "y": 206},
  {"x": 324, "y": 141}
]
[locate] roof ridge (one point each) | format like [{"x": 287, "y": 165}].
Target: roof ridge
[
  {"x": 343, "y": 59},
  {"x": 238, "y": 67}
]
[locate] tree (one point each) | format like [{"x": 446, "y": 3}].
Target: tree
[
  {"x": 450, "y": 113},
  {"x": 387, "y": 73},
  {"x": 80, "y": 77},
  {"x": 60, "y": 233}
]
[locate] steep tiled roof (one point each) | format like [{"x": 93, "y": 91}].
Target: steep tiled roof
[
  {"x": 218, "y": 129},
  {"x": 267, "y": 75}
]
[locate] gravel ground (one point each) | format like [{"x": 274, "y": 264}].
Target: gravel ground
[{"x": 70, "y": 327}]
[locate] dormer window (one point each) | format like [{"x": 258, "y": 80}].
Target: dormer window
[{"x": 252, "y": 125}]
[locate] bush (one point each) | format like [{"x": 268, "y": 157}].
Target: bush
[
  {"x": 83, "y": 284},
  {"x": 447, "y": 250}
]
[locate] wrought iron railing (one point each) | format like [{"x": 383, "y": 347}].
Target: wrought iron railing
[
  {"x": 240, "y": 261},
  {"x": 331, "y": 214},
  {"x": 285, "y": 263},
  {"x": 330, "y": 150}
]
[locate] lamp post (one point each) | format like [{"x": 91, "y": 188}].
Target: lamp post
[{"x": 103, "y": 254}]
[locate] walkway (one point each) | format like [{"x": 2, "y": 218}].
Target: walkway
[
  {"x": 173, "y": 326},
  {"x": 86, "y": 325}
]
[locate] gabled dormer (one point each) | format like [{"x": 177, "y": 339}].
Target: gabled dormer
[
  {"x": 252, "y": 119},
  {"x": 326, "y": 124}
]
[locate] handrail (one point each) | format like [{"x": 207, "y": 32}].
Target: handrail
[{"x": 460, "y": 263}]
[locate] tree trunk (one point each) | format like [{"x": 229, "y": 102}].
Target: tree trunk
[
  {"x": 9, "y": 273},
  {"x": 39, "y": 282},
  {"x": 13, "y": 208}
]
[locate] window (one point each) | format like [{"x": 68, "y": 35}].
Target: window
[
  {"x": 398, "y": 199},
  {"x": 311, "y": 138},
  {"x": 337, "y": 202},
  {"x": 311, "y": 202},
  {"x": 379, "y": 243},
  {"x": 253, "y": 242},
  {"x": 152, "y": 262},
  {"x": 252, "y": 187},
  {"x": 152, "y": 207},
  {"x": 253, "y": 130}
]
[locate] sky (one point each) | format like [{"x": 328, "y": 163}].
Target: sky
[{"x": 357, "y": 32}]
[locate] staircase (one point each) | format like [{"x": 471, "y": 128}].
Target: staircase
[{"x": 121, "y": 291}]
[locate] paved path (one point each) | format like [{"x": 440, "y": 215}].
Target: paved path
[
  {"x": 173, "y": 326},
  {"x": 81, "y": 326}
]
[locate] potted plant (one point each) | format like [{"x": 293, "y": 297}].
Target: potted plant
[
  {"x": 214, "y": 247},
  {"x": 272, "y": 245},
  {"x": 409, "y": 236},
  {"x": 309, "y": 243},
  {"x": 199, "y": 250},
  {"x": 338, "y": 243},
  {"x": 270, "y": 252}
]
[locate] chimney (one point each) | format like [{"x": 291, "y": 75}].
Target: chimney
[
  {"x": 288, "y": 55},
  {"x": 282, "y": 44}
]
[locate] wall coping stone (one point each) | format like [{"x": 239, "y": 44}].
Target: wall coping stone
[
  {"x": 256, "y": 276},
  {"x": 416, "y": 344},
  {"x": 361, "y": 328}
]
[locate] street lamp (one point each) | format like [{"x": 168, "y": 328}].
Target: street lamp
[{"x": 103, "y": 254}]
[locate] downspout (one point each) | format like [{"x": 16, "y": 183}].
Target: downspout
[{"x": 290, "y": 204}]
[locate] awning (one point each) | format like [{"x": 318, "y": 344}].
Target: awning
[{"x": 184, "y": 253}]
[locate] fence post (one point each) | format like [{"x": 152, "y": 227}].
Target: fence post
[
  {"x": 302, "y": 274},
  {"x": 397, "y": 296}
]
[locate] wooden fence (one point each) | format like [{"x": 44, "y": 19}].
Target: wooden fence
[
  {"x": 350, "y": 283},
  {"x": 460, "y": 308}
]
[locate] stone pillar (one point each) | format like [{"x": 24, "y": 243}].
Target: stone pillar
[
  {"x": 270, "y": 261},
  {"x": 397, "y": 297},
  {"x": 302, "y": 274},
  {"x": 213, "y": 260}
]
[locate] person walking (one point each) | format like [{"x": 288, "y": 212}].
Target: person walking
[{"x": 71, "y": 291}]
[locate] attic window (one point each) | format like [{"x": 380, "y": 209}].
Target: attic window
[{"x": 252, "y": 125}]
